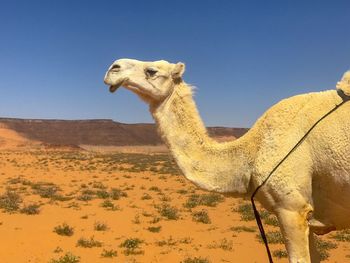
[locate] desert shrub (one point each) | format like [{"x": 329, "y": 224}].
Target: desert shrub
[
  {"x": 271, "y": 220},
  {"x": 323, "y": 246},
  {"x": 247, "y": 214},
  {"x": 88, "y": 192},
  {"x": 243, "y": 229},
  {"x": 273, "y": 237},
  {"x": 155, "y": 189},
  {"x": 211, "y": 199},
  {"x": 15, "y": 180},
  {"x": 154, "y": 229},
  {"x": 64, "y": 230},
  {"x": 109, "y": 253},
  {"x": 98, "y": 185},
  {"x": 109, "y": 205},
  {"x": 98, "y": 226},
  {"x": 103, "y": 194},
  {"x": 88, "y": 243},
  {"x": 32, "y": 209},
  {"x": 67, "y": 258},
  {"x": 201, "y": 216},
  {"x": 116, "y": 194},
  {"x": 165, "y": 198},
  {"x": 146, "y": 196},
  {"x": 343, "y": 235},
  {"x": 182, "y": 191},
  {"x": 155, "y": 220},
  {"x": 132, "y": 246},
  {"x": 45, "y": 190},
  {"x": 168, "y": 211},
  {"x": 223, "y": 244},
  {"x": 10, "y": 201},
  {"x": 168, "y": 242},
  {"x": 85, "y": 197},
  {"x": 195, "y": 260},
  {"x": 280, "y": 253}
]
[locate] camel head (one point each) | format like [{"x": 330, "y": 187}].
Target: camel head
[
  {"x": 151, "y": 81},
  {"x": 344, "y": 83}
]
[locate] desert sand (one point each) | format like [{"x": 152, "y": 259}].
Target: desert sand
[{"x": 64, "y": 205}]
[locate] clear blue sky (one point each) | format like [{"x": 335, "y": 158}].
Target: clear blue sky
[{"x": 243, "y": 56}]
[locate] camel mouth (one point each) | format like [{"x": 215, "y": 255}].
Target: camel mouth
[
  {"x": 113, "y": 88},
  {"x": 116, "y": 86}
]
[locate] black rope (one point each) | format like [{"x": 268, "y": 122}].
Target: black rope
[{"x": 256, "y": 213}]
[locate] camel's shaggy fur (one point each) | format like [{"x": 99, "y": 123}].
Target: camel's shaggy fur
[
  {"x": 309, "y": 192},
  {"x": 344, "y": 84}
]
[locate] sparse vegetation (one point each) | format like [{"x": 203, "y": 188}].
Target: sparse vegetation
[
  {"x": 246, "y": 212},
  {"x": 168, "y": 211},
  {"x": 201, "y": 216},
  {"x": 88, "y": 243},
  {"x": 155, "y": 189},
  {"x": 64, "y": 230},
  {"x": 280, "y": 253},
  {"x": 273, "y": 237},
  {"x": 58, "y": 250},
  {"x": 32, "y": 209},
  {"x": 182, "y": 191},
  {"x": 146, "y": 197},
  {"x": 132, "y": 246},
  {"x": 85, "y": 197},
  {"x": 45, "y": 190},
  {"x": 271, "y": 220},
  {"x": 155, "y": 220},
  {"x": 323, "y": 246},
  {"x": 342, "y": 235},
  {"x": 109, "y": 253},
  {"x": 109, "y": 205},
  {"x": 67, "y": 258},
  {"x": 168, "y": 242},
  {"x": 211, "y": 199},
  {"x": 195, "y": 260},
  {"x": 103, "y": 186},
  {"x": 98, "y": 185},
  {"x": 116, "y": 194},
  {"x": 223, "y": 244},
  {"x": 243, "y": 229},
  {"x": 154, "y": 229},
  {"x": 103, "y": 194},
  {"x": 99, "y": 226},
  {"x": 10, "y": 201}
]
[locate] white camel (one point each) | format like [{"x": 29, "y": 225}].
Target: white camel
[{"x": 309, "y": 192}]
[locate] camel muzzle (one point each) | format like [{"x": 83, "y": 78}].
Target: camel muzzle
[{"x": 116, "y": 86}]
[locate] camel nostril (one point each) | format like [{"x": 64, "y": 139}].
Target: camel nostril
[{"x": 116, "y": 66}]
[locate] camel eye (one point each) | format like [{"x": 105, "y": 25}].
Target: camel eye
[{"x": 150, "y": 72}]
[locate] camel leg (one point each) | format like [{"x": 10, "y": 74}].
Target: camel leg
[
  {"x": 295, "y": 229},
  {"x": 315, "y": 256}
]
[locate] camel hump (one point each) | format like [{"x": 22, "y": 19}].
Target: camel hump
[{"x": 344, "y": 83}]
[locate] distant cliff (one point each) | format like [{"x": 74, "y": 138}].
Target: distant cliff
[{"x": 97, "y": 132}]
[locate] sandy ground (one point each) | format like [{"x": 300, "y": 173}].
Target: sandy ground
[{"x": 146, "y": 212}]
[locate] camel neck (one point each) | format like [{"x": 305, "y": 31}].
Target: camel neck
[{"x": 221, "y": 167}]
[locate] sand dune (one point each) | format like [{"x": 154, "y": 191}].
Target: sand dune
[{"x": 10, "y": 138}]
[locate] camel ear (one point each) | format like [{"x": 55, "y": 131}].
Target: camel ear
[{"x": 178, "y": 70}]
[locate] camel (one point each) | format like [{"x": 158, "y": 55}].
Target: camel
[{"x": 309, "y": 193}]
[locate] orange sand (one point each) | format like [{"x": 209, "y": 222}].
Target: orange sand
[{"x": 30, "y": 238}]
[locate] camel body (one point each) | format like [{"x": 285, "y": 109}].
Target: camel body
[
  {"x": 318, "y": 171},
  {"x": 309, "y": 192}
]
